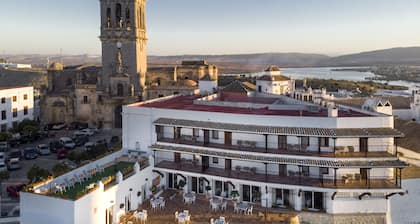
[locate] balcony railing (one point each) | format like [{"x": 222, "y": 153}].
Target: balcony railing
[
  {"x": 290, "y": 149},
  {"x": 300, "y": 180}
]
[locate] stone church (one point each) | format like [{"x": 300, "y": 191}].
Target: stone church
[{"x": 95, "y": 95}]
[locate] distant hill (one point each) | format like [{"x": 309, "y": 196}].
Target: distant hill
[
  {"x": 254, "y": 62},
  {"x": 393, "y": 56}
]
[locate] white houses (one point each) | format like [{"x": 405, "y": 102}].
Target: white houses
[
  {"x": 272, "y": 82},
  {"x": 272, "y": 152},
  {"x": 16, "y": 104}
]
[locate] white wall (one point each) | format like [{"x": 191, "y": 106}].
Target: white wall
[
  {"x": 19, "y": 104},
  {"x": 40, "y": 209}
]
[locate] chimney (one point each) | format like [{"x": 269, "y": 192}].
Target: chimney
[{"x": 332, "y": 111}]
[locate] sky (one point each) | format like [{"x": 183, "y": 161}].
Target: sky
[{"x": 174, "y": 27}]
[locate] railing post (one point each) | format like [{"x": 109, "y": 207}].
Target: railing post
[
  {"x": 335, "y": 177},
  {"x": 266, "y": 142},
  {"x": 334, "y": 145}
]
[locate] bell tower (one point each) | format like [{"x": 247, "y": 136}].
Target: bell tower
[{"x": 123, "y": 37}]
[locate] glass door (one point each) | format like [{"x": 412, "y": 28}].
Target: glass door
[
  {"x": 194, "y": 183},
  {"x": 246, "y": 193}
]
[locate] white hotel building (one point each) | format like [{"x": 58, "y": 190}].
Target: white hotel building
[
  {"x": 276, "y": 152},
  {"x": 273, "y": 150},
  {"x": 16, "y": 104}
]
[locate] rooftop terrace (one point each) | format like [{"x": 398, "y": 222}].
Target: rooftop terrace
[{"x": 187, "y": 103}]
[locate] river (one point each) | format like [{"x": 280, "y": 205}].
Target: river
[{"x": 330, "y": 73}]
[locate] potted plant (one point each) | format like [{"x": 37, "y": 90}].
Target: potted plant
[
  {"x": 235, "y": 195},
  {"x": 153, "y": 189},
  {"x": 181, "y": 185},
  {"x": 208, "y": 189}
]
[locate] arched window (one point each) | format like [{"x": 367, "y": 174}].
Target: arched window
[
  {"x": 108, "y": 17},
  {"x": 127, "y": 18},
  {"x": 120, "y": 89},
  {"x": 118, "y": 15}
]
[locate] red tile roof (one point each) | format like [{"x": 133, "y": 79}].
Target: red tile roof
[{"x": 187, "y": 103}]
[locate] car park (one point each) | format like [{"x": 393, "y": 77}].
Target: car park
[
  {"x": 14, "y": 154},
  {"x": 30, "y": 153},
  {"x": 43, "y": 149},
  {"x": 67, "y": 142},
  {"x": 13, "y": 190},
  {"x": 62, "y": 154}
]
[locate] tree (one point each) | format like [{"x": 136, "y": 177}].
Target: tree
[
  {"x": 5, "y": 136},
  {"x": 37, "y": 173},
  {"x": 4, "y": 175},
  {"x": 60, "y": 169}
]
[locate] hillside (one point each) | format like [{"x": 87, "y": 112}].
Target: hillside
[{"x": 393, "y": 56}]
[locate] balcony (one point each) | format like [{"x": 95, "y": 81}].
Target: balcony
[
  {"x": 277, "y": 179},
  {"x": 340, "y": 151}
]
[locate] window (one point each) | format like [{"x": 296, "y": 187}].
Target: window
[
  {"x": 304, "y": 141},
  {"x": 120, "y": 89},
  {"x": 323, "y": 170},
  {"x": 3, "y": 100},
  {"x": 215, "y": 160},
  {"x": 324, "y": 142},
  {"x": 118, "y": 15},
  {"x": 85, "y": 99},
  {"x": 108, "y": 17},
  {"x": 25, "y": 96},
  {"x": 14, "y": 98},
  {"x": 215, "y": 134},
  {"x": 3, "y": 115},
  {"x": 15, "y": 124},
  {"x": 15, "y": 112},
  {"x": 305, "y": 171},
  {"x": 196, "y": 132},
  {"x": 3, "y": 128},
  {"x": 25, "y": 110}
]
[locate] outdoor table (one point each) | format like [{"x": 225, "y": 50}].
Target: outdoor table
[
  {"x": 157, "y": 202},
  {"x": 182, "y": 217},
  {"x": 220, "y": 221},
  {"x": 141, "y": 216},
  {"x": 189, "y": 197},
  {"x": 242, "y": 206}
]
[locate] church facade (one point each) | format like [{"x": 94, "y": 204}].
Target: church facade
[{"x": 94, "y": 94}]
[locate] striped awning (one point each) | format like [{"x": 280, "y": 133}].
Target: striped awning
[
  {"x": 330, "y": 162},
  {"x": 272, "y": 130}
]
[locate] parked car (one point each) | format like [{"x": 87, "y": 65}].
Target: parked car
[
  {"x": 13, "y": 190},
  {"x": 14, "y": 143},
  {"x": 4, "y": 146},
  {"x": 78, "y": 126},
  {"x": 13, "y": 164},
  {"x": 89, "y": 145},
  {"x": 43, "y": 149},
  {"x": 57, "y": 126},
  {"x": 55, "y": 146},
  {"x": 2, "y": 157},
  {"x": 88, "y": 131},
  {"x": 67, "y": 143},
  {"x": 80, "y": 141},
  {"x": 3, "y": 166},
  {"x": 115, "y": 139},
  {"x": 62, "y": 154},
  {"x": 14, "y": 154},
  {"x": 30, "y": 153}
]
